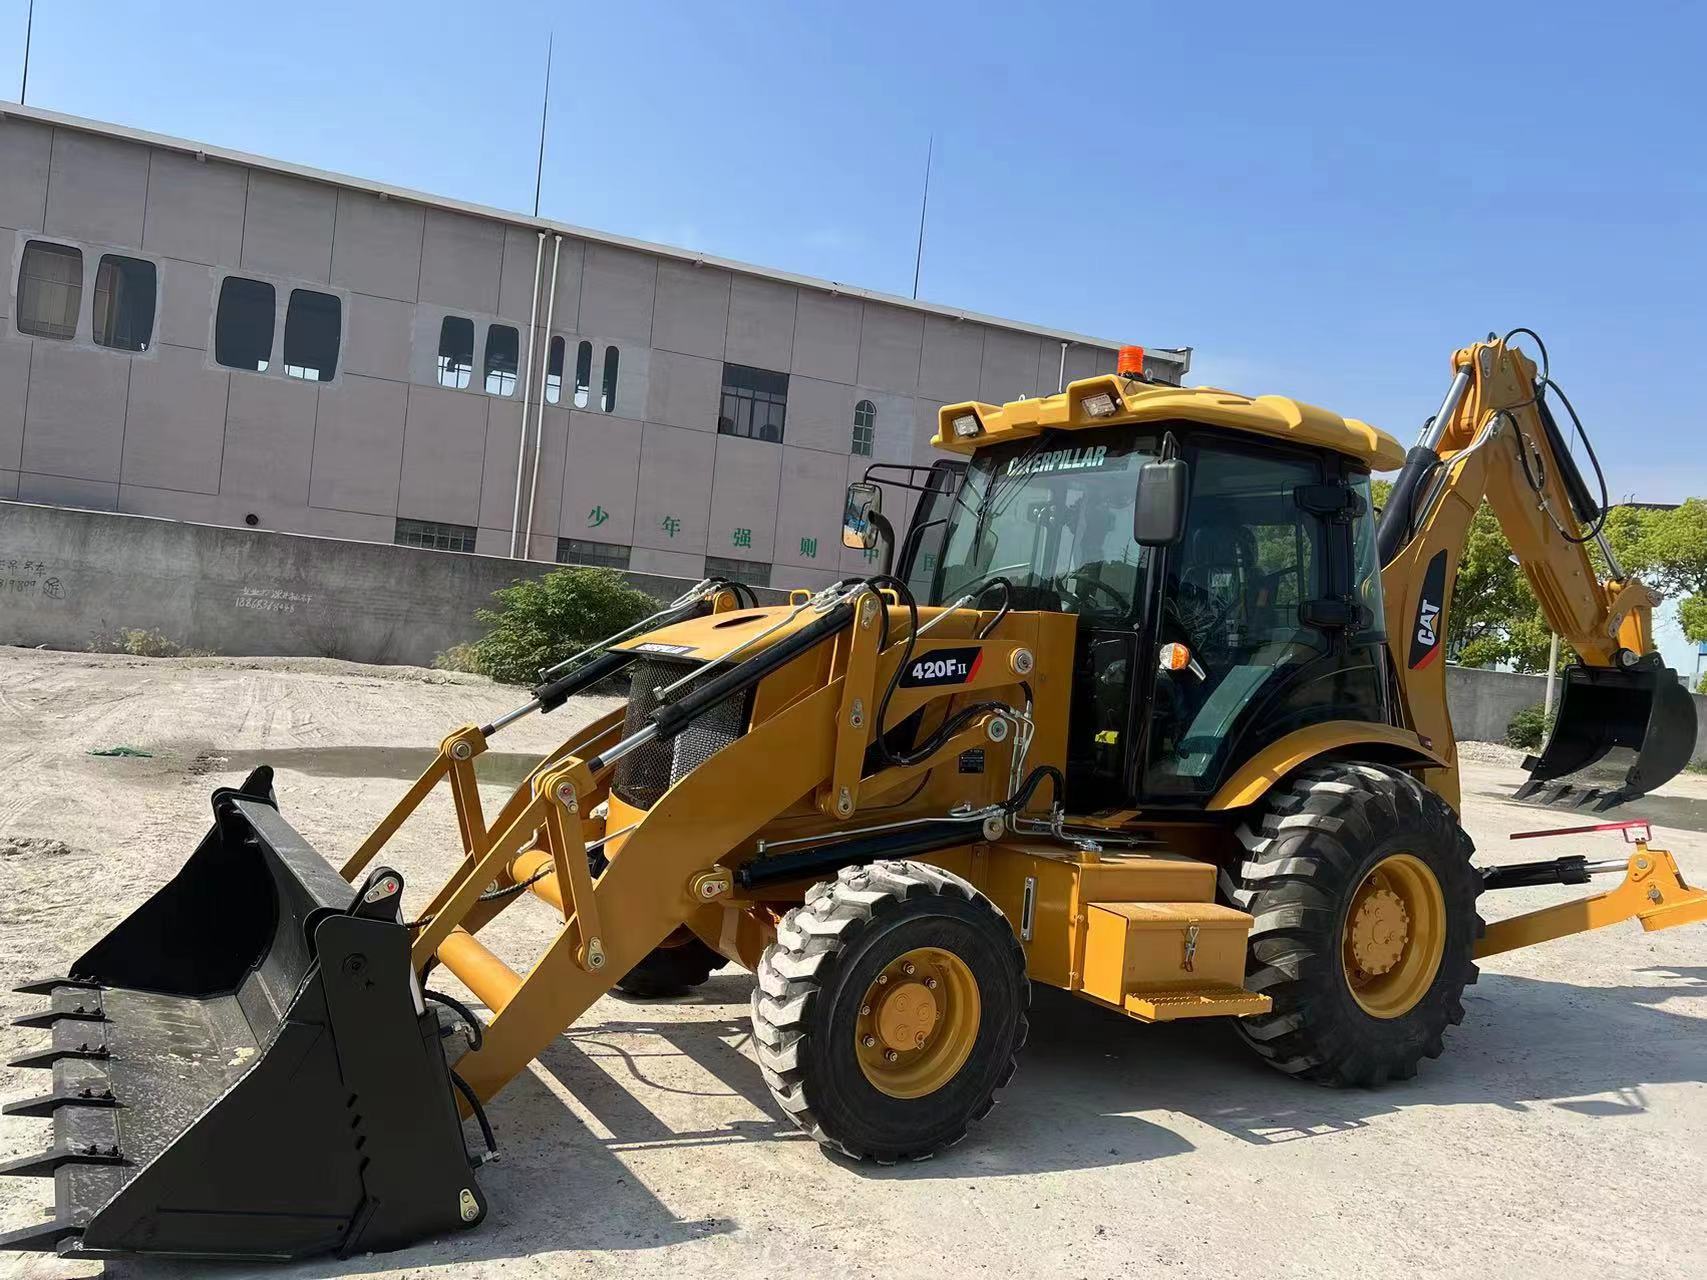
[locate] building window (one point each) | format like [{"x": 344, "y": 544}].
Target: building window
[
  {"x": 605, "y": 554},
  {"x": 607, "y": 401},
  {"x": 456, "y": 352},
  {"x": 752, "y": 572},
  {"x": 124, "y": 302},
  {"x": 583, "y": 373},
  {"x": 434, "y": 535},
  {"x": 755, "y": 402},
  {"x": 313, "y": 325},
  {"x": 865, "y": 428},
  {"x": 554, "y": 372},
  {"x": 503, "y": 358},
  {"x": 50, "y": 290},
  {"x": 243, "y": 328}
]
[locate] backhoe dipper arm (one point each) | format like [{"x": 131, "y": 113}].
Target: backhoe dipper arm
[{"x": 1495, "y": 439}]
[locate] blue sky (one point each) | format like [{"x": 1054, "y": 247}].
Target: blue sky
[{"x": 1323, "y": 200}]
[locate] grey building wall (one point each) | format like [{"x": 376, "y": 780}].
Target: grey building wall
[{"x": 169, "y": 432}]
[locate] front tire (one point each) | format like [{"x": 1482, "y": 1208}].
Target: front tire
[
  {"x": 672, "y": 968},
  {"x": 889, "y": 1011},
  {"x": 1364, "y": 924}
]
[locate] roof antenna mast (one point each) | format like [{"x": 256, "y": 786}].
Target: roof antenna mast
[
  {"x": 924, "y": 204},
  {"x": 29, "y": 30},
  {"x": 544, "y": 106}
]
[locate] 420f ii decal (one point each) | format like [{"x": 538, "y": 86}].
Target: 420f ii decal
[
  {"x": 942, "y": 666},
  {"x": 1428, "y": 628}
]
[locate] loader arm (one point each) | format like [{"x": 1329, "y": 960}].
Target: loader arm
[{"x": 1495, "y": 440}]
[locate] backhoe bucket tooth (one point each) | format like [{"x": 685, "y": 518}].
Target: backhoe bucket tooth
[
  {"x": 1642, "y": 712},
  {"x": 253, "y": 1073}
]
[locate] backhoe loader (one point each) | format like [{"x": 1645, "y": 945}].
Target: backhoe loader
[{"x": 1149, "y": 708}]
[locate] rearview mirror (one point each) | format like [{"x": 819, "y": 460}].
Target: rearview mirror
[
  {"x": 865, "y": 500},
  {"x": 1158, "y": 516}
]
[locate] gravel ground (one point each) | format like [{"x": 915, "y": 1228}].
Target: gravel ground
[{"x": 1563, "y": 1134}]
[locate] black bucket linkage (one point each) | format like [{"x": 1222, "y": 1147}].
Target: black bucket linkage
[
  {"x": 1638, "y": 718},
  {"x": 244, "y": 1068}
]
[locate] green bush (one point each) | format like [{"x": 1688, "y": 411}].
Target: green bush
[
  {"x": 1528, "y": 728},
  {"x": 138, "y": 642},
  {"x": 541, "y": 622},
  {"x": 459, "y": 657}
]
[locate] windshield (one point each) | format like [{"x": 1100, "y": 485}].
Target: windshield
[{"x": 1053, "y": 515}]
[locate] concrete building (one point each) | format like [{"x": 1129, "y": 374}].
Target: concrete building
[{"x": 214, "y": 337}]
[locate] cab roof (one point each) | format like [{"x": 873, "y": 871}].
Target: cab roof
[{"x": 1138, "y": 402}]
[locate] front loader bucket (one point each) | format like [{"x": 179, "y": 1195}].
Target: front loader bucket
[
  {"x": 1642, "y": 712},
  {"x": 244, "y": 1067}
]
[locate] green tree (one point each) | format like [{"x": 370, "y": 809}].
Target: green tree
[{"x": 1668, "y": 550}]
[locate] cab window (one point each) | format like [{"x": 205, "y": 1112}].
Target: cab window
[{"x": 1053, "y": 516}]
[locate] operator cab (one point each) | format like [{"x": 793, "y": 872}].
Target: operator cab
[{"x": 1206, "y": 632}]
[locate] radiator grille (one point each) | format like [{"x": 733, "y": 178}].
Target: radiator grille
[{"x": 643, "y": 776}]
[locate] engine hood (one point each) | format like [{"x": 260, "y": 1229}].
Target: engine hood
[{"x": 713, "y": 636}]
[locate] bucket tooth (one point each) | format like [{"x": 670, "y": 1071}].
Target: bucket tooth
[
  {"x": 70, "y": 1040},
  {"x": 47, "y": 986},
  {"x": 46, "y": 1163},
  {"x": 72, "y": 1004},
  {"x": 44, "y": 1237},
  {"x": 48, "y": 1103}
]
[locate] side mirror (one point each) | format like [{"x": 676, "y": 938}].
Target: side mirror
[
  {"x": 1158, "y": 516},
  {"x": 859, "y": 530}
]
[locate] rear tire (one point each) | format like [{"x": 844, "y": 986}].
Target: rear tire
[
  {"x": 673, "y": 968},
  {"x": 1364, "y": 904},
  {"x": 889, "y": 1011}
]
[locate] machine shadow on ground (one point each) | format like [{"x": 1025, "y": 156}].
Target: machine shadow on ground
[
  {"x": 1072, "y": 1105},
  {"x": 1086, "y": 1074}
]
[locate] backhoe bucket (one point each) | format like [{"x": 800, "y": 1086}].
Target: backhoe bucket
[
  {"x": 244, "y": 1067},
  {"x": 1642, "y": 712}
]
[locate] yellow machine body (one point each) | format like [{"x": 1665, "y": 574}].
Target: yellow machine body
[{"x": 1120, "y": 908}]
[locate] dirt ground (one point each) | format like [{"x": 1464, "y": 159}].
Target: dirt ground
[{"x": 1563, "y": 1134}]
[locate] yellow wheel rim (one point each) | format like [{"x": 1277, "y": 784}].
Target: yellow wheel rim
[
  {"x": 917, "y": 1023},
  {"x": 1395, "y": 936}
]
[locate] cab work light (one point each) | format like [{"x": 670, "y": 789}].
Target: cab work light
[
  {"x": 1101, "y": 405},
  {"x": 967, "y": 425}
]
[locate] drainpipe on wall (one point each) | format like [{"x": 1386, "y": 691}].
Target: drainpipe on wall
[
  {"x": 1061, "y": 376},
  {"x": 539, "y": 426},
  {"x": 527, "y": 392}
]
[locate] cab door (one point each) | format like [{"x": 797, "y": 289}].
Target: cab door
[{"x": 1232, "y": 602}]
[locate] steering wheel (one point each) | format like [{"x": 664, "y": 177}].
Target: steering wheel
[
  {"x": 1199, "y": 613},
  {"x": 1092, "y": 585}
]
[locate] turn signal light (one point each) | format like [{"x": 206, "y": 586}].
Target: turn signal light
[
  {"x": 1173, "y": 657},
  {"x": 1130, "y": 363}
]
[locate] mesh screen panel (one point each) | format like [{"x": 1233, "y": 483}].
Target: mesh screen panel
[{"x": 643, "y": 776}]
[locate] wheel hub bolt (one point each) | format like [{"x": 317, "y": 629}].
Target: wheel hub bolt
[
  {"x": 883, "y": 979},
  {"x": 907, "y": 968},
  {"x": 889, "y": 1055},
  {"x": 865, "y": 1011},
  {"x": 930, "y": 984},
  {"x": 870, "y": 1042},
  {"x": 919, "y": 1039}
]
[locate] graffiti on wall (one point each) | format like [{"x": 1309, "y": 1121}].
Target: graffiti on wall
[
  {"x": 29, "y": 578},
  {"x": 271, "y": 599}
]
